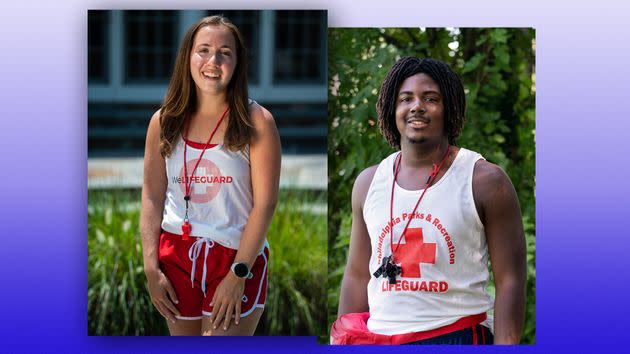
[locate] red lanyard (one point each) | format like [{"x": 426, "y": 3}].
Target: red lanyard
[
  {"x": 186, "y": 228},
  {"x": 430, "y": 180}
]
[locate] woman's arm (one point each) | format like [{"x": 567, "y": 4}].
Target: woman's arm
[
  {"x": 503, "y": 225},
  {"x": 153, "y": 195},
  {"x": 265, "y": 173},
  {"x": 353, "y": 296}
]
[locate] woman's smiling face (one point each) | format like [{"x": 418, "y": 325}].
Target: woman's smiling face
[{"x": 213, "y": 59}]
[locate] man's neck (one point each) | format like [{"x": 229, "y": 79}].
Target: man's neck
[{"x": 424, "y": 154}]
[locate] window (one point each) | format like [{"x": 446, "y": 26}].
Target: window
[
  {"x": 300, "y": 47},
  {"x": 150, "y": 45},
  {"x": 248, "y": 23},
  {"x": 98, "y": 28}
]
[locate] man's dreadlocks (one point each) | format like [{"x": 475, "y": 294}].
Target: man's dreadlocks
[{"x": 450, "y": 86}]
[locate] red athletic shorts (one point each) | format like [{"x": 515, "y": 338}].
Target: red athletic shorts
[{"x": 176, "y": 255}]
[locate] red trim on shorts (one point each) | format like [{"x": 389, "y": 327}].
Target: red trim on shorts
[
  {"x": 483, "y": 335},
  {"x": 351, "y": 328},
  {"x": 174, "y": 258},
  {"x": 474, "y": 335}
]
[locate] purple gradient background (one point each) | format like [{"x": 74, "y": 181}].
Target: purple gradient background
[{"x": 582, "y": 170}]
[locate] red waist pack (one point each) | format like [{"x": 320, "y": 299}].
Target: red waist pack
[{"x": 351, "y": 328}]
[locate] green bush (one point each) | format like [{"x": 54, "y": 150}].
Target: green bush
[
  {"x": 296, "y": 293},
  {"x": 118, "y": 301},
  {"x": 497, "y": 69}
]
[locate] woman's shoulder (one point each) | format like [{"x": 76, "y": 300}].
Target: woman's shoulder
[
  {"x": 261, "y": 118},
  {"x": 265, "y": 132},
  {"x": 154, "y": 122},
  {"x": 258, "y": 112}
]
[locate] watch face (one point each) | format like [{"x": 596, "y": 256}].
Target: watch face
[{"x": 240, "y": 269}]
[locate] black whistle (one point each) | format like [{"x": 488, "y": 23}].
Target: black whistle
[
  {"x": 392, "y": 271},
  {"x": 388, "y": 270},
  {"x": 383, "y": 267}
]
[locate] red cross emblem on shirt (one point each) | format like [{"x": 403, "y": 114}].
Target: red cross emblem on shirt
[{"x": 413, "y": 252}]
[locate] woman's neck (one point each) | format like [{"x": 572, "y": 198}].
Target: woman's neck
[{"x": 211, "y": 105}]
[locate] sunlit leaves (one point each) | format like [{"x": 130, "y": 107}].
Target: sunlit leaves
[{"x": 497, "y": 68}]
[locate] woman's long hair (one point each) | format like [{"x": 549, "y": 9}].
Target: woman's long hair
[{"x": 181, "y": 98}]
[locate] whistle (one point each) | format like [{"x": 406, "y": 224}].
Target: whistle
[{"x": 186, "y": 228}]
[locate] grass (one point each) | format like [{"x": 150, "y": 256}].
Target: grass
[{"x": 119, "y": 304}]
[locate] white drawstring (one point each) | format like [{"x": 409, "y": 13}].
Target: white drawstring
[{"x": 193, "y": 254}]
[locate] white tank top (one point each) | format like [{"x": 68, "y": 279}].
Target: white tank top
[
  {"x": 221, "y": 192},
  {"x": 444, "y": 255}
]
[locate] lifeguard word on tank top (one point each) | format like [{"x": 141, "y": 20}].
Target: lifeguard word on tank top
[
  {"x": 444, "y": 256},
  {"x": 221, "y": 196}
]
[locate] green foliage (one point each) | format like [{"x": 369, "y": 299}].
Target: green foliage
[
  {"x": 296, "y": 293},
  {"x": 497, "y": 69},
  {"x": 118, "y": 301}
]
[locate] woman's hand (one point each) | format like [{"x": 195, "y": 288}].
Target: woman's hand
[
  {"x": 162, "y": 294},
  {"x": 227, "y": 301}
]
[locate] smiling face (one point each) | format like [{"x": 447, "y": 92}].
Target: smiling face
[
  {"x": 419, "y": 110},
  {"x": 213, "y": 59}
]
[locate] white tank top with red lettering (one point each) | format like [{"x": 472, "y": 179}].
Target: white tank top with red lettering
[
  {"x": 444, "y": 256},
  {"x": 221, "y": 192}
]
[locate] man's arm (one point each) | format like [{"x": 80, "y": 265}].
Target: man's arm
[
  {"x": 500, "y": 212},
  {"x": 353, "y": 297}
]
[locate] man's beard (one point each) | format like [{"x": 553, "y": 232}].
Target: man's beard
[{"x": 417, "y": 140}]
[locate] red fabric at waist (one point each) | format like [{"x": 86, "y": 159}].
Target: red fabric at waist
[
  {"x": 170, "y": 234},
  {"x": 351, "y": 328}
]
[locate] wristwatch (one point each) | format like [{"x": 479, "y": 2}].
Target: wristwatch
[{"x": 241, "y": 270}]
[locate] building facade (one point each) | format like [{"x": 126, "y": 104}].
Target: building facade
[{"x": 131, "y": 54}]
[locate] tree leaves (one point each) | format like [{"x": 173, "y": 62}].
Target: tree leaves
[{"x": 497, "y": 68}]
